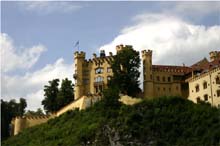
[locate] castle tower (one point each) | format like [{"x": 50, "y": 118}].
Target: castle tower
[
  {"x": 147, "y": 74},
  {"x": 19, "y": 124},
  {"x": 79, "y": 58},
  {"x": 214, "y": 55}
]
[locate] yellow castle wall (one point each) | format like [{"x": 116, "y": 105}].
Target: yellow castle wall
[{"x": 211, "y": 90}]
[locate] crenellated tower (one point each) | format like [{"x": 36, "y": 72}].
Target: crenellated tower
[
  {"x": 79, "y": 58},
  {"x": 147, "y": 74}
]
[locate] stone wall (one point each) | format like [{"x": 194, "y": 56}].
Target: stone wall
[{"x": 20, "y": 123}]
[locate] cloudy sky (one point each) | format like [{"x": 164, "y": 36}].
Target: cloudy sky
[{"x": 37, "y": 38}]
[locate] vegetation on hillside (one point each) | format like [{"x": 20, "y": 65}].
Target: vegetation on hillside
[
  {"x": 55, "y": 97},
  {"x": 161, "y": 122}
]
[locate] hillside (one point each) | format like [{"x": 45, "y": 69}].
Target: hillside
[{"x": 163, "y": 122}]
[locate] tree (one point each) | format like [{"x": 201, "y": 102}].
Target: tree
[
  {"x": 56, "y": 98},
  {"x": 125, "y": 71},
  {"x": 50, "y": 93},
  {"x": 65, "y": 94},
  {"x": 8, "y": 111},
  {"x": 38, "y": 112}
]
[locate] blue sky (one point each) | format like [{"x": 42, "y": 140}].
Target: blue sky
[{"x": 38, "y": 38}]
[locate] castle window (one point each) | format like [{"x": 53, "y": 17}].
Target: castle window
[
  {"x": 109, "y": 78},
  {"x": 218, "y": 93},
  {"x": 197, "y": 88},
  {"x": 198, "y": 99},
  {"x": 151, "y": 77},
  {"x": 177, "y": 88},
  {"x": 217, "y": 80},
  {"x": 85, "y": 81},
  {"x": 168, "y": 79},
  {"x": 205, "y": 97},
  {"x": 99, "y": 70},
  {"x": 158, "y": 88},
  {"x": 109, "y": 69},
  {"x": 99, "y": 79},
  {"x": 164, "y": 79},
  {"x": 204, "y": 85},
  {"x": 164, "y": 89},
  {"x": 158, "y": 78}
]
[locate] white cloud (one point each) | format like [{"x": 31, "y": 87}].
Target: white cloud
[
  {"x": 30, "y": 86},
  {"x": 51, "y": 6},
  {"x": 11, "y": 59},
  {"x": 173, "y": 41}
]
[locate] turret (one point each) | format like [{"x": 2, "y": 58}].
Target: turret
[
  {"x": 147, "y": 73},
  {"x": 79, "y": 58},
  {"x": 19, "y": 124},
  {"x": 147, "y": 64},
  {"x": 214, "y": 55},
  {"x": 121, "y": 47}
]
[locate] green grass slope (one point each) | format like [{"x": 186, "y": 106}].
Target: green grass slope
[{"x": 160, "y": 122}]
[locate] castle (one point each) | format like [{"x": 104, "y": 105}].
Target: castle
[
  {"x": 198, "y": 82},
  {"x": 91, "y": 77}
]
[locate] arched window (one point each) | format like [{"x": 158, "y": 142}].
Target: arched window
[
  {"x": 198, "y": 99},
  {"x": 206, "y": 97},
  {"x": 99, "y": 70},
  {"x": 204, "y": 85},
  {"x": 197, "y": 88},
  {"x": 109, "y": 78}
]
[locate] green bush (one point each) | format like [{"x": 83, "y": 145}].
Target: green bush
[{"x": 163, "y": 121}]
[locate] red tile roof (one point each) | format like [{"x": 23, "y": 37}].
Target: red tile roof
[{"x": 174, "y": 69}]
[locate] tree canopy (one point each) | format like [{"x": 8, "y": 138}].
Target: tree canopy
[
  {"x": 8, "y": 111},
  {"x": 125, "y": 67},
  {"x": 55, "y": 97}
]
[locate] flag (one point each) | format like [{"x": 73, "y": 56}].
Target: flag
[{"x": 77, "y": 44}]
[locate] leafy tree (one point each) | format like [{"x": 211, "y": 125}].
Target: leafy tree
[
  {"x": 50, "y": 93},
  {"x": 56, "y": 98},
  {"x": 125, "y": 71},
  {"x": 8, "y": 111},
  {"x": 65, "y": 94}
]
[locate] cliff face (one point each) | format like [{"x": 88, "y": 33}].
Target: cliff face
[{"x": 162, "y": 121}]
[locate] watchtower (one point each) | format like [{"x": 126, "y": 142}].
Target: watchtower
[
  {"x": 147, "y": 74},
  {"x": 79, "y": 58}
]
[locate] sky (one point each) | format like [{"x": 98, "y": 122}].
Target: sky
[{"x": 38, "y": 38}]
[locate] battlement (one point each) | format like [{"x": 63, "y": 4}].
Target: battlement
[
  {"x": 121, "y": 47},
  {"x": 80, "y": 54},
  {"x": 146, "y": 53}
]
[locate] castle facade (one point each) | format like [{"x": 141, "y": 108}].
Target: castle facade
[{"x": 91, "y": 76}]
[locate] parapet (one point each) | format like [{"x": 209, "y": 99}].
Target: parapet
[
  {"x": 121, "y": 47},
  {"x": 80, "y": 54},
  {"x": 146, "y": 53}
]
